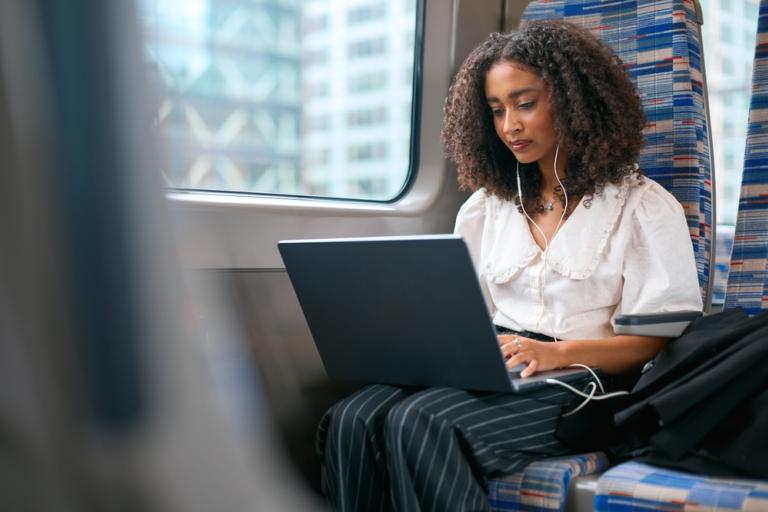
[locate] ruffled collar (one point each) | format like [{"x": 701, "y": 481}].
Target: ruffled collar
[{"x": 577, "y": 247}]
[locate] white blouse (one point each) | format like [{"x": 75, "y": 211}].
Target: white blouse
[{"x": 629, "y": 253}]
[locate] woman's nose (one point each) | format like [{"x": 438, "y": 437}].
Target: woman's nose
[{"x": 511, "y": 123}]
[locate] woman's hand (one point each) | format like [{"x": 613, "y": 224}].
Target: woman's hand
[
  {"x": 536, "y": 355},
  {"x": 614, "y": 355}
]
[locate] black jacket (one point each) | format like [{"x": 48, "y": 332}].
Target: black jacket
[{"x": 701, "y": 404}]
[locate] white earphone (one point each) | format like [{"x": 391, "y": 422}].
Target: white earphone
[
  {"x": 592, "y": 386},
  {"x": 541, "y": 232}
]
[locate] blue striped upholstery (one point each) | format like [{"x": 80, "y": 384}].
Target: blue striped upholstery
[
  {"x": 747, "y": 279},
  {"x": 635, "y": 486},
  {"x": 543, "y": 485},
  {"x": 659, "y": 43}
]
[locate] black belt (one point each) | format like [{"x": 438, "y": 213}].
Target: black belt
[{"x": 525, "y": 334}]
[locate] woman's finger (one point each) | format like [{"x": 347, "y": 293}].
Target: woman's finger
[
  {"x": 506, "y": 339},
  {"x": 508, "y": 350},
  {"x": 531, "y": 369},
  {"x": 516, "y": 341},
  {"x": 517, "y": 359}
]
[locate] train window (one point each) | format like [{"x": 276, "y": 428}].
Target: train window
[
  {"x": 728, "y": 61},
  {"x": 285, "y": 97}
]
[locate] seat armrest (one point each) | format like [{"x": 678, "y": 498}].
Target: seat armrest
[{"x": 670, "y": 325}]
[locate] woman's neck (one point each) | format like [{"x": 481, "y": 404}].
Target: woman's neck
[{"x": 547, "y": 170}]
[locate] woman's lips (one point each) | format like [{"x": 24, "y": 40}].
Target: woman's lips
[{"x": 520, "y": 145}]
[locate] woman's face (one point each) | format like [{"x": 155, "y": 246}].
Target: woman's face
[{"x": 519, "y": 102}]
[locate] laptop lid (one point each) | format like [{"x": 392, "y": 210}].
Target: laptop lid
[{"x": 400, "y": 310}]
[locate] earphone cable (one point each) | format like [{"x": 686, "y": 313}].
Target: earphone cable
[
  {"x": 593, "y": 386},
  {"x": 541, "y": 232}
]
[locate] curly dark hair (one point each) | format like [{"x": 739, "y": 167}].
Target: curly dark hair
[{"x": 596, "y": 110}]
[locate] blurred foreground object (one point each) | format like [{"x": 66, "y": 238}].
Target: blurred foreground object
[{"x": 107, "y": 399}]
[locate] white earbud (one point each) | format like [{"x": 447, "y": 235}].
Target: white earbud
[
  {"x": 541, "y": 232},
  {"x": 592, "y": 386}
]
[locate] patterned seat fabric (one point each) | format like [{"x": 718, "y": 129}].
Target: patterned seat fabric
[
  {"x": 636, "y": 486},
  {"x": 543, "y": 485},
  {"x": 748, "y": 277},
  {"x": 633, "y": 486},
  {"x": 659, "y": 43}
]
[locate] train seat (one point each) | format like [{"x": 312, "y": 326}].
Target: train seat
[
  {"x": 747, "y": 279},
  {"x": 633, "y": 485},
  {"x": 660, "y": 44},
  {"x": 544, "y": 485}
]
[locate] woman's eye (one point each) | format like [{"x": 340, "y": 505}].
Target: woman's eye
[
  {"x": 526, "y": 106},
  {"x": 497, "y": 112}
]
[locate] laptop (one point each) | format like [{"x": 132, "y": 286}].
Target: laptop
[{"x": 404, "y": 310}]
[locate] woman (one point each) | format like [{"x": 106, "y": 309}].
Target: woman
[{"x": 565, "y": 233}]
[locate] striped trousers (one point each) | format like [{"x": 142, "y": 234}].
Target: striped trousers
[{"x": 391, "y": 448}]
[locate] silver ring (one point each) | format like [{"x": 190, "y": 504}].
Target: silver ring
[{"x": 518, "y": 344}]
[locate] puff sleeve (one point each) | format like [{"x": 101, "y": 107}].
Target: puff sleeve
[{"x": 659, "y": 270}]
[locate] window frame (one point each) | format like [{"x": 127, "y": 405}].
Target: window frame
[
  {"x": 240, "y": 232},
  {"x": 274, "y": 200}
]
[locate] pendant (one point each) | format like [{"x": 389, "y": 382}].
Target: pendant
[{"x": 551, "y": 205}]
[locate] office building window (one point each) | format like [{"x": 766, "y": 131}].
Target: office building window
[
  {"x": 317, "y": 123},
  {"x": 246, "y": 88},
  {"x": 313, "y": 24},
  {"x": 366, "y": 13},
  {"x": 367, "y": 48},
  {"x": 367, "y": 152},
  {"x": 317, "y": 157},
  {"x": 727, "y": 127},
  {"x": 368, "y": 81},
  {"x": 315, "y": 57},
  {"x": 727, "y": 66},
  {"x": 726, "y": 33},
  {"x": 367, "y": 117},
  {"x": 314, "y": 90}
]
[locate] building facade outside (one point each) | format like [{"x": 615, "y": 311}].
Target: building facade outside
[
  {"x": 289, "y": 97},
  {"x": 357, "y": 97}
]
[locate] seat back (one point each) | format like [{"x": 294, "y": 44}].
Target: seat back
[
  {"x": 660, "y": 44},
  {"x": 748, "y": 277}
]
